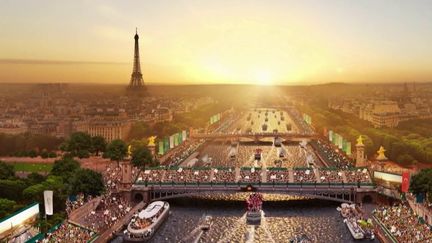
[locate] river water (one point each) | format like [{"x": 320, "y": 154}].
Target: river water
[{"x": 285, "y": 218}]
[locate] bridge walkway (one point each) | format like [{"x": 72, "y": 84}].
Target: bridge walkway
[
  {"x": 163, "y": 175},
  {"x": 211, "y": 174},
  {"x": 237, "y": 174},
  {"x": 344, "y": 179},
  {"x": 291, "y": 175},
  {"x": 264, "y": 175},
  {"x": 317, "y": 175}
]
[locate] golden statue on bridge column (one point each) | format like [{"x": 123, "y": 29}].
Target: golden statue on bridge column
[
  {"x": 381, "y": 155},
  {"x": 129, "y": 152},
  {"x": 360, "y": 141},
  {"x": 151, "y": 141}
]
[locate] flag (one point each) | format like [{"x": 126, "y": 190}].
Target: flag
[
  {"x": 405, "y": 181},
  {"x": 344, "y": 145},
  {"x": 348, "y": 152},
  {"x": 171, "y": 141},
  {"x": 166, "y": 144},
  {"x": 48, "y": 201},
  {"x": 175, "y": 139},
  {"x": 180, "y": 137},
  {"x": 335, "y": 138},
  {"x": 184, "y": 135},
  {"x": 161, "y": 148}
]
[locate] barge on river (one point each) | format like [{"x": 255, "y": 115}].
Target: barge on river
[{"x": 143, "y": 226}]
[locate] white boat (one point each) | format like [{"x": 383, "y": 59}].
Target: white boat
[
  {"x": 254, "y": 217},
  {"x": 355, "y": 230},
  {"x": 143, "y": 225},
  {"x": 206, "y": 223}
]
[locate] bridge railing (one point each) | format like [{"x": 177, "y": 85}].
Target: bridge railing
[{"x": 255, "y": 184}]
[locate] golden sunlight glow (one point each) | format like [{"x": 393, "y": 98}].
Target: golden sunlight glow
[
  {"x": 264, "y": 78},
  {"x": 192, "y": 42}
]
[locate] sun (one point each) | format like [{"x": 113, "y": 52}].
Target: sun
[{"x": 263, "y": 77}]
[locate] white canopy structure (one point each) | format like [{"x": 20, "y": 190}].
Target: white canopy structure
[{"x": 151, "y": 210}]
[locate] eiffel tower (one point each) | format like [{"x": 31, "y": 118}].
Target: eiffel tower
[{"x": 136, "y": 84}]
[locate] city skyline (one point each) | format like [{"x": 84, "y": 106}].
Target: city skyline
[{"x": 229, "y": 42}]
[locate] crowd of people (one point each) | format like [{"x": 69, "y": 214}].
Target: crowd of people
[
  {"x": 279, "y": 176},
  {"x": 223, "y": 175},
  {"x": 214, "y": 154},
  {"x": 331, "y": 156},
  {"x": 358, "y": 175},
  {"x": 151, "y": 175},
  {"x": 332, "y": 176},
  {"x": 253, "y": 175},
  {"x": 246, "y": 154},
  {"x": 403, "y": 224},
  {"x": 302, "y": 126},
  {"x": 68, "y": 232},
  {"x": 110, "y": 209},
  {"x": 302, "y": 176},
  {"x": 183, "y": 151},
  {"x": 112, "y": 177},
  {"x": 250, "y": 175},
  {"x": 78, "y": 201}
]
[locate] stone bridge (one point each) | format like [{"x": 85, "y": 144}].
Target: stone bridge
[
  {"x": 349, "y": 193},
  {"x": 253, "y": 136}
]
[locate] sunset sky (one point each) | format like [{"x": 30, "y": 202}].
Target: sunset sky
[{"x": 223, "y": 41}]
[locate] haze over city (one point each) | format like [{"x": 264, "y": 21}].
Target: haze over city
[{"x": 201, "y": 42}]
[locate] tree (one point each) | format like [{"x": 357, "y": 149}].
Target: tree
[
  {"x": 116, "y": 150},
  {"x": 53, "y": 183},
  {"x": 99, "y": 144},
  {"x": 6, "y": 207},
  {"x": 422, "y": 183},
  {"x": 78, "y": 143},
  {"x": 65, "y": 167},
  {"x": 35, "y": 178},
  {"x": 86, "y": 181},
  {"x": 12, "y": 189},
  {"x": 142, "y": 157},
  {"x": 6, "y": 171}
]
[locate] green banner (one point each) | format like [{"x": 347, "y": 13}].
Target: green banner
[
  {"x": 344, "y": 145},
  {"x": 348, "y": 150},
  {"x": 161, "y": 148},
  {"x": 166, "y": 144},
  {"x": 180, "y": 138},
  {"x": 184, "y": 135}
]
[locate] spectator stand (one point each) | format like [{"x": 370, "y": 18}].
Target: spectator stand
[
  {"x": 304, "y": 175},
  {"x": 68, "y": 231},
  {"x": 276, "y": 175},
  {"x": 250, "y": 175}
]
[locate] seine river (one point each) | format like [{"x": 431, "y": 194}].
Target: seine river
[{"x": 285, "y": 218}]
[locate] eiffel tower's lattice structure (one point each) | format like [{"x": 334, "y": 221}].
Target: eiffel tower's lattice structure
[{"x": 136, "y": 81}]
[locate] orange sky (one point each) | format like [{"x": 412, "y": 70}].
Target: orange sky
[{"x": 231, "y": 41}]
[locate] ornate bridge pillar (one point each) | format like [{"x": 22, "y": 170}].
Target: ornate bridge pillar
[
  {"x": 366, "y": 197},
  {"x": 141, "y": 194}
]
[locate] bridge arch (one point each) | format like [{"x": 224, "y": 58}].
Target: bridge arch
[{"x": 342, "y": 197}]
